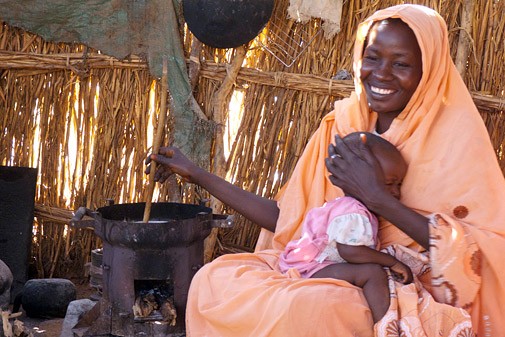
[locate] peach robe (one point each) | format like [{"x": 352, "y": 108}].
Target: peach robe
[{"x": 453, "y": 178}]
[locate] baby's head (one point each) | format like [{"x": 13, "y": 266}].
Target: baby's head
[{"x": 394, "y": 167}]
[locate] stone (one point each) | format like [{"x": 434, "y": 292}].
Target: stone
[
  {"x": 75, "y": 310},
  {"x": 47, "y": 298},
  {"x": 6, "y": 279}
]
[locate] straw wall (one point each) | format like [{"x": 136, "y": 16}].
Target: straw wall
[{"x": 85, "y": 119}]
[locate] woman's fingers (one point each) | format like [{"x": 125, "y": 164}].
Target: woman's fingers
[
  {"x": 163, "y": 159},
  {"x": 364, "y": 151},
  {"x": 162, "y": 175},
  {"x": 334, "y": 180},
  {"x": 333, "y": 155},
  {"x": 171, "y": 161},
  {"x": 349, "y": 151},
  {"x": 336, "y": 166},
  {"x": 341, "y": 149},
  {"x": 167, "y": 152}
]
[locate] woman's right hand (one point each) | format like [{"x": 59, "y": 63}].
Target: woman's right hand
[{"x": 170, "y": 160}]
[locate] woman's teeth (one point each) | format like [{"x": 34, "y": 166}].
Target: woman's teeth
[{"x": 381, "y": 91}]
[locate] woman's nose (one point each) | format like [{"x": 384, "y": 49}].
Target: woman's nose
[{"x": 383, "y": 71}]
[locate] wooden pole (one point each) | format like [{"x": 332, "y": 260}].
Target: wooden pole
[
  {"x": 157, "y": 139},
  {"x": 220, "y": 103},
  {"x": 464, "y": 41}
]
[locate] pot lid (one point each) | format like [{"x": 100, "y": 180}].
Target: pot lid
[{"x": 226, "y": 23}]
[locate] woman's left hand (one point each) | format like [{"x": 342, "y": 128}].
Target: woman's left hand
[{"x": 356, "y": 171}]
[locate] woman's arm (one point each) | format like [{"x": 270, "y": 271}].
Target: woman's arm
[
  {"x": 259, "y": 210},
  {"x": 358, "y": 174},
  {"x": 410, "y": 222}
]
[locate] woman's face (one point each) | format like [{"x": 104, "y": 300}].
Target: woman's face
[{"x": 391, "y": 67}]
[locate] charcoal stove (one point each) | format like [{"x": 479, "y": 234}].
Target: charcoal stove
[{"x": 147, "y": 267}]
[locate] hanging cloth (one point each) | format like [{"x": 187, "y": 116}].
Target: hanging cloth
[{"x": 330, "y": 11}]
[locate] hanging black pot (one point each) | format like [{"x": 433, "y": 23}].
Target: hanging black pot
[{"x": 226, "y": 23}]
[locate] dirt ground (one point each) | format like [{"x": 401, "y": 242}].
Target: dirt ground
[{"x": 52, "y": 327}]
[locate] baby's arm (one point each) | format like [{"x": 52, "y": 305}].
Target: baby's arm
[{"x": 364, "y": 254}]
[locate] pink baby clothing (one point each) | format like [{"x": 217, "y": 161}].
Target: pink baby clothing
[{"x": 343, "y": 220}]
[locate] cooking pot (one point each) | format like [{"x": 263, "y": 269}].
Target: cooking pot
[
  {"x": 171, "y": 224},
  {"x": 226, "y": 23}
]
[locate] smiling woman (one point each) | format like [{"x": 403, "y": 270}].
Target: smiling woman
[{"x": 391, "y": 69}]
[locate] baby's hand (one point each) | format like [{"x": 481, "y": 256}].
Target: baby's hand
[{"x": 401, "y": 272}]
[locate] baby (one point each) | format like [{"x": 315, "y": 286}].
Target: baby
[{"x": 339, "y": 239}]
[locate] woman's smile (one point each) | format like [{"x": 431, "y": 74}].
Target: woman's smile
[{"x": 380, "y": 91}]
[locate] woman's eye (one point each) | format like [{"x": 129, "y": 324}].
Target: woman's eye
[
  {"x": 370, "y": 58},
  {"x": 401, "y": 65}
]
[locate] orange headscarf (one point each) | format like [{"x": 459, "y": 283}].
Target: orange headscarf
[{"x": 453, "y": 170}]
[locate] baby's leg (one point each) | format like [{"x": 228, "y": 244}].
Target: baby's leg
[{"x": 370, "y": 277}]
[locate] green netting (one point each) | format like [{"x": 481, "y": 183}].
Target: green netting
[{"x": 121, "y": 28}]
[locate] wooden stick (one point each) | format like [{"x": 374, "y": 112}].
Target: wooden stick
[
  {"x": 6, "y": 325},
  {"x": 157, "y": 138}
]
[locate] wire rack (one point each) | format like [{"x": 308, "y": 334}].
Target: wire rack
[{"x": 286, "y": 39}]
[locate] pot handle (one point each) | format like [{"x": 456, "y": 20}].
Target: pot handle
[
  {"x": 222, "y": 221},
  {"x": 79, "y": 220}
]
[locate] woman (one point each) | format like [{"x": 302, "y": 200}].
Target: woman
[{"x": 449, "y": 225}]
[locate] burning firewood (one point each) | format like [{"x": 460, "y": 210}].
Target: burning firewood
[
  {"x": 168, "y": 312},
  {"x": 144, "y": 305},
  {"x": 153, "y": 303}
]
